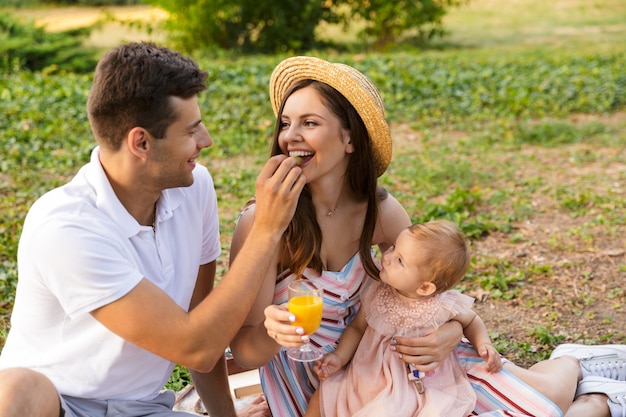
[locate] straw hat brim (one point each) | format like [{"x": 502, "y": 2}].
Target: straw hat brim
[{"x": 352, "y": 84}]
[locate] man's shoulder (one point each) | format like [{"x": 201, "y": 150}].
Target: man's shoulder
[{"x": 66, "y": 199}]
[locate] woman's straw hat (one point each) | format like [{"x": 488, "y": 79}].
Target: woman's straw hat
[{"x": 354, "y": 86}]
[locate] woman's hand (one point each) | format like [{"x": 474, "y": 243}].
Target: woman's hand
[
  {"x": 257, "y": 408},
  {"x": 278, "y": 325},
  {"x": 427, "y": 352}
]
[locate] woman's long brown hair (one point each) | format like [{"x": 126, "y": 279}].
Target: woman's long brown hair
[{"x": 302, "y": 241}]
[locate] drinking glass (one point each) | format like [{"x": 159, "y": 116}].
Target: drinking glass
[{"x": 305, "y": 303}]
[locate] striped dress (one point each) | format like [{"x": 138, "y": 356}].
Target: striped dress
[{"x": 288, "y": 385}]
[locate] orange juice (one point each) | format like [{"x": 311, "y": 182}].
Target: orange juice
[{"x": 308, "y": 312}]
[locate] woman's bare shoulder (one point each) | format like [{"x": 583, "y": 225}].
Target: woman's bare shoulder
[
  {"x": 242, "y": 229},
  {"x": 392, "y": 219}
]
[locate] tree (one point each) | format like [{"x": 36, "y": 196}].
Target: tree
[
  {"x": 26, "y": 46},
  {"x": 289, "y": 25},
  {"x": 388, "y": 22}
]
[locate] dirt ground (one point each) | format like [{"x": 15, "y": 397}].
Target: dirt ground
[
  {"x": 580, "y": 298},
  {"x": 582, "y": 301}
]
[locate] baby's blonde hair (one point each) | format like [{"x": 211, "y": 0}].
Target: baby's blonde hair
[{"x": 447, "y": 253}]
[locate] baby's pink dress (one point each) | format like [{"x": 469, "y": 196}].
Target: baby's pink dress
[{"x": 376, "y": 384}]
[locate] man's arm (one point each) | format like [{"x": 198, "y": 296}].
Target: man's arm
[
  {"x": 212, "y": 387},
  {"x": 214, "y": 390},
  {"x": 251, "y": 346},
  {"x": 148, "y": 318}
]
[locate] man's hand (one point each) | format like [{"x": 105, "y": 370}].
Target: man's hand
[{"x": 278, "y": 188}]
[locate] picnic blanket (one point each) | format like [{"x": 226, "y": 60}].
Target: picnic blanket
[{"x": 187, "y": 400}]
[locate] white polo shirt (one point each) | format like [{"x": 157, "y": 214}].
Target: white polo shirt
[{"x": 79, "y": 250}]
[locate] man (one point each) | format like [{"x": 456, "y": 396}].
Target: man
[{"x": 115, "y": 267}]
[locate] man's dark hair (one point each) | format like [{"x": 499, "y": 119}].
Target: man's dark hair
[{"x": 132, "y": 87}]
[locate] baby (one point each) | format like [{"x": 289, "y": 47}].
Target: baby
[{"x": 412, "y": 298}]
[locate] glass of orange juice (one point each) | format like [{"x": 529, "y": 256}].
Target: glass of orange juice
[{"x": 305, "y": 303}]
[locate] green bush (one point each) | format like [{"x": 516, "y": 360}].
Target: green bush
[
  {"x": 95, "y": 3},
  {"x": 246, "y": 25},
  {"x": 277, "y": 26},
  {"x": 18, "y": 3},
  {"x": 35, "y": 3},
  {"x": 25, "y": 46},
  {"x": 389, "y": 21}
]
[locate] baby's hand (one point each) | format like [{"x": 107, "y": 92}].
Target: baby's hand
[
  {"x": 328, "y": 365},
  {"x": 490, "y": 355}
]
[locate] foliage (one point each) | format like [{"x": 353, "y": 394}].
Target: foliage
[
  {"x": 179, "y": 378},
  {"x": 94, "y": 3},
  {"x": 35, "y": 3},
  {"x": 246, "y": 25},
  {"x": 389, "y": 21},
  {"x": 17, "y": 3},
  {"x": 25, "y": 46},
  {"x": 521, "y": 85},
  {"x": 442, "y": 89},
  {"x": 45, "y": 134},
  {"x": 277, "y": 26}
]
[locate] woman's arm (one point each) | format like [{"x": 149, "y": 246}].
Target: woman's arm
[{"x": 392, "y": 219}]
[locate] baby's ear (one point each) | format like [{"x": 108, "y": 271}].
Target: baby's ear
[{"x": 426, "y": 289}]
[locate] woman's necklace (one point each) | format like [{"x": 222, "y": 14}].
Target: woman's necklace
[{"x": 331, "y": 212}]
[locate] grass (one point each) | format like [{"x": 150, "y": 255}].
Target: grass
[
  {"x": 522, "y": 24},
  {"x": 517, "y": 119}
]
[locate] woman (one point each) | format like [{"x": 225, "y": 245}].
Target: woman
[{"x": 332, "y": 117}]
